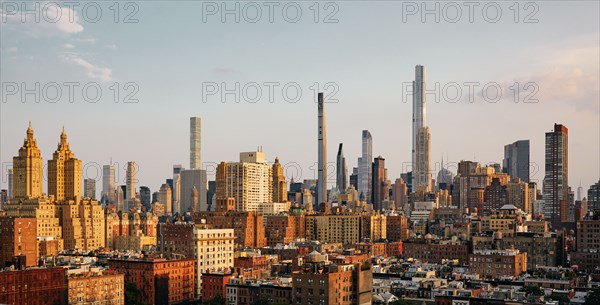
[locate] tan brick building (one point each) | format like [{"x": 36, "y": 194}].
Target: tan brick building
[{"x": 97, "y": 288}]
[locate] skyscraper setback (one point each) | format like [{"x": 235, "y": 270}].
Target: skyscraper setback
[
  {"x": 341, "y": 171},
  {"x": 195, "y": 161},
  {"x": 556, "y": 179},
  {"x": 421, "y": 149},
  {"x": 322, "y": 152}
]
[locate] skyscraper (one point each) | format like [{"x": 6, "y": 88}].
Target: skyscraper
[
  {"x": 108, "y": 182},
  {"x": 195, "y": 143},
  {"x": 64, "y": 172},
  {"x": 130, "y": 180},
  {"x": 593, "y": 196},
  {"x": 176, "y": 188},
  {"x": 556, "y": 178},
  {"x": 279, "y": 183},
  {"x": 89, "y": 190},
  {"x": 422, "y": 175},
  {"x": 378, "y": 193},
  {"x": 27, "y": 169},
  {"x": 322, "y": 151},
  {"x": 342, "y": 172},
  {"x": 516, "y": 160},
  {"x": 249, "y": 182},
  {"x": 9, "y": 191},
  {"x": 193, "y": 188},
  {"x": 365, "y": 166},
  {"x": 165, "y": 198},
  {"x": 421, "y": 160}
]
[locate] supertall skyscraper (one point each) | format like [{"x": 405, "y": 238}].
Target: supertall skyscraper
[
  {"x": 365, "y": 169},
  {"x": 556, "y": 179},
  {"x": 64, "y": 172},
  {"x": 27, "y": 169},
  {"x": 342, "y": 172},
  {"x": 195, "y": 162},
  {"x": 421, "y": 152},
  {"x": 322, "y": 151},
  {"x": 130, "y": 180},
  {"x": 516, "y": 160},
  {"x": 108, "y": 183}
]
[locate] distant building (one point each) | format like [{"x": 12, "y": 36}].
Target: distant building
[
  {"x": 516, "y": 160},
  {"x": 108, "y": 183},
  {"x": 165, "y": 196},
  {"x": 249, "y": 181},
  {"x": 279, "y": 184},
  {"x": 341, "y": 177},
  {"x": 379, "y": 177},
  {"x": 145, "y": 196},
  {"x": 89, "y": 189},
  {"x": 195, "y": 143},
  {"x": 248, "y": 227},
  {"x": 27, "y": 169},
  {"x": 556, "y": 179},
  {"x": 593, "y": 196},
  {"x": 496, "y": 264},
  {"x": 194, "y": 185},
  {"x": 365, "y": 169}
]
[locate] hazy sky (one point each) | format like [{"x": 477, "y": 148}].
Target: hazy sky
[{"x": 175, "y": 57}]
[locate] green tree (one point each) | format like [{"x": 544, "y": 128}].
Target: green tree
[
  {"x": 532, "y": 289},
  {"x": 216, "y": 300},
  {"x": 400, "y": 302},
  {"x": 593, "y": 298}
]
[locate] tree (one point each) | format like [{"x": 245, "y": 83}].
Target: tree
[
  {"x": 400, "y": 302},
  {"x": 593, "y": 298},
  {"x": 132, "y": 294},
  {"x": 216, "y": 300},
  {"x": 532, "y": 289},
  {"x": 560, "y": 297}
]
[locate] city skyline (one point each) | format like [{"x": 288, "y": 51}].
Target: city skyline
[{"x": 566, "y": 71}]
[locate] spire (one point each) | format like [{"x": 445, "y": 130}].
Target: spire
[{"x": 29, "y": 132}]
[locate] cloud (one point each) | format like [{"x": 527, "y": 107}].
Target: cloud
[
  {"x": 112, "y": 46},
  {"x": 91, "y": 70},
  {"x": 69, "y": 46},
  {"x": 87, "y": 40},
  {"x": 49, "y": 19}
]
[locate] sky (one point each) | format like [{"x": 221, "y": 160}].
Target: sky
[{"x": 123, "y": 79}]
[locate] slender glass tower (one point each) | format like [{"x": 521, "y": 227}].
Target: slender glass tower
[{"x": 322, "y": 151}]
